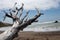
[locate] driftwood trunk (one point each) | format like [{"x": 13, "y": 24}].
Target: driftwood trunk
[
  {"x": 13, "y": 32},
  {"x": 18, "y": 24}
]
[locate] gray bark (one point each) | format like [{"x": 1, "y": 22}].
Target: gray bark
[
  {"x": 13, "y": 32},
  {"x": 17, "y": 26}
]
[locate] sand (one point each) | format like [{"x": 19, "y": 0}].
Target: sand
[
  {"x": 29, "y": 35},
  {"x": 38, "y": 36}
]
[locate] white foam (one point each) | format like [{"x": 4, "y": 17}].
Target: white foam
[
  {"x": 39, "y": 28},
  {"x": 42, "y": 29}
]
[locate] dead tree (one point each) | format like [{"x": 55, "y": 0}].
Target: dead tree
[{"x": 18, "y": 25}]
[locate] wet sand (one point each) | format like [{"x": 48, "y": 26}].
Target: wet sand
[{"x": 38, "y": 36}]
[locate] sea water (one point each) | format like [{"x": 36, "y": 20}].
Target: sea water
[
  {"x": 44, "y": 27},
  {"x": 39, "y": 27}
]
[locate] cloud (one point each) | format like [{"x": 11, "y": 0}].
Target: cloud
[{"x": 31, "y": 4}]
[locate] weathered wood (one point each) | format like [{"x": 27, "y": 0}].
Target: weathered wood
[
  {"x": 13, "y": 32},
  {"x": 17, "y": 26}
]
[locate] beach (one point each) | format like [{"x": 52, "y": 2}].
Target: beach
[
  {"x": 46, "y": 31},
  {"x": 38, "y": 36},
  {"x": 30, "y": 35},
  {"x": 51, "y": 31}
]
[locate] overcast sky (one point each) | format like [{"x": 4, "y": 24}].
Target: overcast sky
[
  {"x": 51, "y": 8},
  {"x": 31, "y": 4}
]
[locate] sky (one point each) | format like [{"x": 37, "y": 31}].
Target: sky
[{"x": 50, "y": 8}]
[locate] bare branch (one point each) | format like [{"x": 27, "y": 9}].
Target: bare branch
[
  {"x": 14, "y": 5},
  {"x": 25, "y": 24},
  {"x": 13, "y": 9},
  {"x": 16, "y": 11},
  {"x": 21, "y": 8},
  {"x": 39, "y": 11},
  {"x": 20, "y": 14},
  {"x": 10, "y": 13},
  {"x": 26, "y": 20},
  {"x": 7, "y": 15},
  {"x": 25, "y": 15},
  {"x": 4, "y": 18}
]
